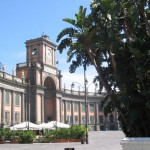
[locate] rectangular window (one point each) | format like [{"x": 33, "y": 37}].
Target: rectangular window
[
  {"x": 101, "y": 119},
  {"x": 17, "y": 100},
  {"x": 68, "y": 119},
  {"x": 76, "y": 107},
  {"x": 7, "y": 116},
  {"x": 91, "y": 107},
  {"x": 92, "y": 119},
  {"x": 76, "y": 119},
  {"x": 7, "y": 98},
  {"x": 83, "y": 119},
  {"x": 17, "y": 117},
  {"x": 68, "y": 106},
  {"x": 83, "y": 107},
  {"x": 71, "y": 119},
  {"x": 100, "y": 107}
]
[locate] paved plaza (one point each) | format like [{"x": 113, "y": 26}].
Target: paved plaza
[{"x": 98, "y": 140}]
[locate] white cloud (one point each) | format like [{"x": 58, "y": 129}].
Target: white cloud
[
  {"x": 78, "y": 76},
  {"x": 78, "y": 79}
]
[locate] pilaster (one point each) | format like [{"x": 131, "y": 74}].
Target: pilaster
[
  {"x": 60, "y": 109},
  {"x": 3, "y": 109},
  {"x": 22, "y": 107},
  {"x": 80, "y": 114},
  {"x": 12, "y": 107},
  {"x": 72, "y": 114},
  {"x": 65, "y": 111},
  {"x": 42, "y": 108}
]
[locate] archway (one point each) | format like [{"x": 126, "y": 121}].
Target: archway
[{"x": 50, "y": 99}]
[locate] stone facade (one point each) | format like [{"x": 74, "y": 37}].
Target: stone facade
[{"x": 35, "y": 93}]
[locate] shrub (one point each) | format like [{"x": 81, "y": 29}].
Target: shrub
[
  {"x": 62, "y": 133},
  {"x": 74, "y": 132},
  {"x": 77, "y": 132},
  {"x": 26, "y": 136},
  {"x": 2, "y": 135},
  {"x": 49, "y": 135}
]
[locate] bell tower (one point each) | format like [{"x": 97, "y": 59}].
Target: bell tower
[
  {"x": 41, "y": 50},
  {"x": 42, "y": 78},
  {"x": 40, "y": 59}
]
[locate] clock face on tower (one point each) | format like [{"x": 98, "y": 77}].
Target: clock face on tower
[{"x": 34, "y": 52}]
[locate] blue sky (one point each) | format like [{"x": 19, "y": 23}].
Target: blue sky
[{"x": 22, "y": 20}]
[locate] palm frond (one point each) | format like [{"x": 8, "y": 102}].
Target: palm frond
[
  {"x": 82, "y": 12},
  {"x": 64, "y": 44},
  {"x": 71, "y": 21},
  {"x": 66, "y": 32},
  {"x": 70, "y": 55}
]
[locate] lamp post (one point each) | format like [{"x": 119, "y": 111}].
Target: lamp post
[
  {"x": 86, "y": 112},
  {"x": 85, "y": 93},
  {"x": 96, "y": 85}
]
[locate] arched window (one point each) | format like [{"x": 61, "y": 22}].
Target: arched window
[{"x": 49, "y": 83}]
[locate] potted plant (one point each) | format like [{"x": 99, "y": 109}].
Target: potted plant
[{"x": 114, "y": 38}]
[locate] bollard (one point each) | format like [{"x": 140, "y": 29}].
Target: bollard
[{"x": 82, "y": 140}]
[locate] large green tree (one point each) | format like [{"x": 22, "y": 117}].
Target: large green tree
[{"x": 116, "y": 33}]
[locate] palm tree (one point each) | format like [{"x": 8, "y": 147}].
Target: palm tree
[
  {"x": 82, "y": 49},
  {"x": 117, "y": 33},
  {"x": 129, "y": 35},
  {"x": 89, "y": 44}
]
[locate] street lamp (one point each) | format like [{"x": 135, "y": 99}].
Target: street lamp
[
  {"x": 86, "y": 110},
  {"x": 96, "y": 85}
]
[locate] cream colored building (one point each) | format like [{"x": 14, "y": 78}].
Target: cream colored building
[{"x": 35, "y": 93}]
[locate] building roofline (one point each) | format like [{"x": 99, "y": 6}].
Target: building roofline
[{"x": 44, "y": 38}]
